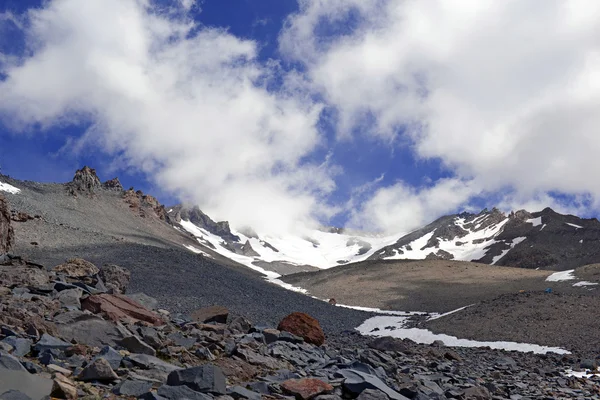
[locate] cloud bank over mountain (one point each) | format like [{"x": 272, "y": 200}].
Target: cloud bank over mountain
[{"x": 504, "y": 94}]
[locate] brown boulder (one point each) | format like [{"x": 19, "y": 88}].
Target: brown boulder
[
  {"x": 115, "y": 277},
  {"x": 63, "y": 388},
  {"x": 303, "y": 325},
  {"x": 211, "y": 314},
  {"x": 306, "y": 389},
  {"x": 6, "y": 230},
  {"x": 12, "y": 276},
  {"x": 120, "y": 308},
  {"x": 77, "y": 268}
]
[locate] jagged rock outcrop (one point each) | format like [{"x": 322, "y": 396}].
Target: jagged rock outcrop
[
  {"x": 85, "y": 181},
  {"x": 198, "y": 218},
  {"x": 145, "y": 205},
  {"x": 113, "y": 184},
  {"x": 6, "y": 230}
]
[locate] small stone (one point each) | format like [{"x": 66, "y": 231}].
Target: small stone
[
  {"x": 372, "y": 394},
  {"x": 204, "y": 354},
  {"x": 271, "y": 335},
  {"x": 112, "y": 356},
  {"x": 238, "y": 392},
  {"x": 136, "y": 345},
  {"x": 307, "y": 388},
  {"x": 63, "y": 388},
  {"x": 98, "y": 370},
  {"x": 70, "y": 298},
  {"x": 59, "y": 369},
  {"x": 240, "y": 325}
]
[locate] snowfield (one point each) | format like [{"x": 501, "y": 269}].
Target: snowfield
[{"x": 5, "y": 187}]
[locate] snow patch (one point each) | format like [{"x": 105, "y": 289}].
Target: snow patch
[
  {"x": 561, "y": 276},
  {"x": 584, "y": 283},
  {"x": 535, "y": 221},
  {"x": 574, "y": 226},
  {"x": 542, "y": 228},
  {"x": 514, "y": 242},
  {"x": 5, "y": 187},
  {"x": 396, "y": 327},
  {"x": 197, "y": 251}
]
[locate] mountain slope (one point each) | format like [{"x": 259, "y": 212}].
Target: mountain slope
[{"x": 545, "y": 240}]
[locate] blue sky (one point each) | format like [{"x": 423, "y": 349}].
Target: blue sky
[{"x": 380, "y": 115}]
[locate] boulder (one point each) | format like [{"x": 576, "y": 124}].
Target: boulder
[
  {"x": 386, "y": 343},
  {"x": 115, "y": 277},
  {"x": 135, "y": 345},
  {"x": 120, "y": 308},
  {"x": 6, "y": 230},
  {"x": 356, "y": 382},
  {"x": 98, "y": 370},
  {"x": 305, "y": 326},
  {"x": 9, "y": 363},
  {"x": 132, "y": 388},
  {"x": 77, "y": 268},
  {"x": 372, "y": 394},
  {"x": 180, "y": 392},
  {"x": 21, "y": 346},
  {"x": 90, "y": 330},
  {"x": 48, "y": 342},
  {"x": 204, "y": 378},
  {"x": 307, "y": 388},
  {"x": 16, "y": 276},
  {"x": 70, "y": 298},
  {"x": 211, "y": 314},
  {"x": 35, "y": 387},
  {"x": 112, "y": 356}
]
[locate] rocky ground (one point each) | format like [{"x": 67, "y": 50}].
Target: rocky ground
[{"x": 70, "y": 333}]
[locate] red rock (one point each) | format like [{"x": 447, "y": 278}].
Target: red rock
[
  {"x": 211, "y": 314},
  {"x": 120, "y": 308},
  {"x": 303, "y": 325},
  {"x": 305, "y": 389}
]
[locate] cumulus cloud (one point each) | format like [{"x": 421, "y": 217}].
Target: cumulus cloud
[
  {"x": 187, "y": 105},
  {"x": 504, "y": 93}
]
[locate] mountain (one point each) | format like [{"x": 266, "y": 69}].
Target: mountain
[{"x": 544, "y": 240}]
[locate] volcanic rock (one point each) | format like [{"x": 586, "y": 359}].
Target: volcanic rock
[
  {"x": 115, "y": 277},
  {"x": 120, "y": 308},
  {"x": 305, "y": 326},
  {"x": 6, "y": 230},
  {"x": 63, "y": 388},
  {"x": 306, "y": 389},
  {"x": 113, "y": 184},
  {"x": 205, "y": 378},
  {"x": 77, "y": 268},
  {"x": 211, "y": 314},
  {"x": 84, "y": 181},
  {"x": 98, "y": 370}
]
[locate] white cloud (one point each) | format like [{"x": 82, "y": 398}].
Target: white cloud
[
  {"x": 505, "y": 93},
  {"x": 186, "y": 105}
]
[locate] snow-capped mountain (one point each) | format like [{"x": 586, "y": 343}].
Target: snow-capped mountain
[
  {"x": 545, "y": 239},
  {"x": 279, "y": 254}
]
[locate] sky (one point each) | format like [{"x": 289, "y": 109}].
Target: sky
[{"x": 379, "y": 115}]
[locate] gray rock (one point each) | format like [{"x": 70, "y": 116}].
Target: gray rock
[
  {"x": 239, "y": 325},
  {"x": 271, "y": 335},
  {"x": 151, "y": 396},
  {"x": 34, "y": 386},
  {"x": 180, "y": 393},
  {"x": 150, "y": 336},
  {"x": 135, "y": 345},
  {"x": 357, "y": 381},
  {"x": 180, "y": 340},
  {"x": 70, "y": 298},
  {"x": 204, "y": 354},
  {"x": 14, "y": 395},
  {"x": 238, "y": 392},
  {"x": 132, "y": 388},
  {"x": 48, "y": 342},
  {"x": 290, "y": 338},
  {"x": 149, "y": 302},
  {"x": 8, "y": 362},
  {"x": 205, "y": 378},
  {"x": 259, "y": 387},
  {"x": 150, "y": 362},
  {"x": 371, "y": 394},
  {"x": 21, "y": 347},
  {"x": 588, "y": 364},
  {"x": 113, "y": 357},
  {"x": 98, "y": 370}
]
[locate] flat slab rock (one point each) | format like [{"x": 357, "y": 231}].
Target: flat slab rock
[
  {"x": 120, "y": 308},
  {"x": 305, "y": 389}
]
